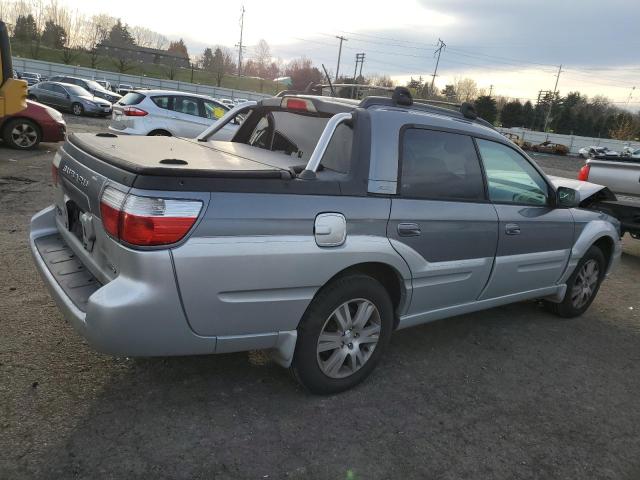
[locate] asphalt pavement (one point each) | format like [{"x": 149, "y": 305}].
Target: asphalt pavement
[{"x": 509, "y": 393}]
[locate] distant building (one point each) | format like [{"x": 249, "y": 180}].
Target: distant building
[{"x": 143, "y": 54}]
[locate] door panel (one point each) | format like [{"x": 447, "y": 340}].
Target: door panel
[
  {"x": 451, "y": 252},
  {"x": 535, "y": 239},
  {"x": 534, "y": 258}
]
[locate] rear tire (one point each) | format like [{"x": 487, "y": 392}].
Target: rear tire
[
  {"x": 159, "y": 133},
  {"x": 582, "y": 286},
  {"x": 21, "y": 134},
  {"x": 343, "y": 334},
  {"x": 77, "y": 109}
]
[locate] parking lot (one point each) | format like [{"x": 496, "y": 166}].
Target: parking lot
[{"x": 512, "y": 392}]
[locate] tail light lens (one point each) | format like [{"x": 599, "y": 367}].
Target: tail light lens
[
  {"x": 134, "y": 112},
  {"x": 583, "y": 174},
  {"x": 147, "y": 221}
]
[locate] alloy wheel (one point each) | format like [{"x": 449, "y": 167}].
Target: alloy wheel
[
  {"x": 24, "y": 135},
  {"x": 585, "y": 284},
  {"x": 348, "y": 338}
]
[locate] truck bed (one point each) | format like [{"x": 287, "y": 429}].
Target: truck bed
[{"x": 171, "y": 156}]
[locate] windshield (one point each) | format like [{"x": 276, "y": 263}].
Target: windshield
[
  {"x": 76, "y": 90},
  {"x": 94, "y": 85}
]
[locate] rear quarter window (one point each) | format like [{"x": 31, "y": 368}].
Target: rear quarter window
[{"x": 162, "y": 102}]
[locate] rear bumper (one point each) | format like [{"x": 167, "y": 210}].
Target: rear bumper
[{"x": 124, "y": 316}]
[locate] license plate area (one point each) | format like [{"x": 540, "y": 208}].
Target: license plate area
[{"x": 74, "y": 223}]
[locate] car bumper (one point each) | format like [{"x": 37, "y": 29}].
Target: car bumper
[
  {"x": 53, "y": 131},
  {"x": 126, "y": 316}
]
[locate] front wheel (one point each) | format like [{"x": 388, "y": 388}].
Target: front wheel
[
  {"x": 582, "y": 286},
  {"x": 77, "y": 109},
  {"x": 342, "y": 334},
  {"x": 22, "y": 134}
]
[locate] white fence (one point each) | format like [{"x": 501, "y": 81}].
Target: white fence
[
  {"x": 50, "y": 69},
  {"x": 574, "y": 142}
]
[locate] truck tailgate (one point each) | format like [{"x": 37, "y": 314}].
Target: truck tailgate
[{"x": 621, "y": 176}]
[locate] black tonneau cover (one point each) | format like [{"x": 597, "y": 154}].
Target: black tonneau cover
[{"x": 171, "y": 156}]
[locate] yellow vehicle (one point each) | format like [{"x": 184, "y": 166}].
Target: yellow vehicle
[{"x": 13, "y": 92}]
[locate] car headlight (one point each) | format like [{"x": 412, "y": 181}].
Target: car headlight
[{"x": 89, "y": 103}]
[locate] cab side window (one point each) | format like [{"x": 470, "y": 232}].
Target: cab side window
[
  {"x": 511, "y": 178},
  {"x": 440, "y": 166}
]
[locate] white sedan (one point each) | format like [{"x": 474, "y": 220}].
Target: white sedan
[{"x": 168, "y": 113}]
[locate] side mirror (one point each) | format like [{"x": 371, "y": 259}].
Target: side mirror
[{"x": 568, "y": 197}]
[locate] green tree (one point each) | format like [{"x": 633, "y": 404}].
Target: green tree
[
  {"x": 54, "y": 35},
  {"x": 512, "y": 114},
  {"x": 449, "y": 92},
  {"x": 486, "y": 108},
  {"x": 179, "y": 48},
  {"x": 119, "y": 35},
  {"x": 222, "y": 64},
  {"x": 206, "y": 62},
  {"x": 528, "y": 115},
  {"x": 25, "y": 29}
]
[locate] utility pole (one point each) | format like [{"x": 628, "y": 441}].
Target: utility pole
[
  {"x": 553, "y": 96},
  {"x": 239, "y": 45},
  {"x": 490, "y": 89},
  {"x": 362, "y": 63},
  {"x": 359, "y": 60},
  {"x": 441, "y": 45},
  {"x": 342, "y": 39}
]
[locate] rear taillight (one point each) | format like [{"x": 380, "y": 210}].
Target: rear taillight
[
  {"x": 134, "y": 112},
  {"x": 111, "y": 204},
  {"x": 147, "y": 221},
  {"x": 583, "y": 174}
]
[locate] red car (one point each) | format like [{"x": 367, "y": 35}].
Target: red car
[{"x": 37, "y": 123}]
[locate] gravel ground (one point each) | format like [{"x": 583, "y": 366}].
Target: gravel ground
[{"x": 508, "y": 393}]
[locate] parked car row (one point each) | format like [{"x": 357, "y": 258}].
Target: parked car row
[{"x": 70, "y": 98}]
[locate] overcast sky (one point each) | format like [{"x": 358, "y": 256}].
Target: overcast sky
[{"x": 514, "y": 45}]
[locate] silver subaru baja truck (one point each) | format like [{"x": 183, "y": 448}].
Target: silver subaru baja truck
[{"x": 321, "y": 227}]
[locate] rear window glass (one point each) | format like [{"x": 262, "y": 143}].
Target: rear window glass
[
  {"x": 289, "y": 133},
  {"x": 131, "y": 98},
  {"x": 337, "y": 156}
]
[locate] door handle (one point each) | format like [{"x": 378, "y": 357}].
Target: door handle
[
  {"x": 512, "y": 229},
  {"x": 408, "y": 229}
]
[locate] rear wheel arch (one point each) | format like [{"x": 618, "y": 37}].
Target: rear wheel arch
[{"x": 388, "y": 276}]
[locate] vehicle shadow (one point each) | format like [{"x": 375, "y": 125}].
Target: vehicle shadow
[{"x": 510, "y": 392}]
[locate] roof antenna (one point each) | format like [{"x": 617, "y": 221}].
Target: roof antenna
[{"x": 333, "y": 92}]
